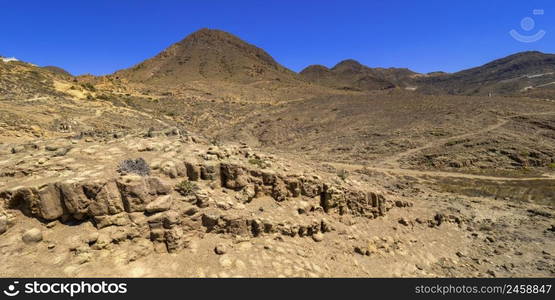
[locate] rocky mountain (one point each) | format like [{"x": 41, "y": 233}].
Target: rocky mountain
[
  {"x": 351, "y": 75},
  {"x": 208, "y": 54},
  {"x": 513, "y": 74}
]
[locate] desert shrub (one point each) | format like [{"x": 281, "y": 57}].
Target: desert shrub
[
  {"x": 258, "y": 162},
  {"x": 186, "y": 187},
  {"x": 551, "y": 166},
  {"x": 102, "y": 97},
  {"x": 136, "y": 166},
  {"x": 88, "y": 86}
]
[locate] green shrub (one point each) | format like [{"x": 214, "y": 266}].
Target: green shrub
[
  {"x": 88, "y": 86},
  {"x": 186, "y": 187},
  {"x": 551, "y": 166},
  {"x": 258, "y": 162}
]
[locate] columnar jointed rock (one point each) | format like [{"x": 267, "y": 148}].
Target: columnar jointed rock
[{"x": 133, "y": 207}]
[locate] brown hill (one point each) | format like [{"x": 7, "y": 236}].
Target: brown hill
[
  {"x": 351, "y": 75},
  {"x": 21, "y": 80},
  {"x": 215, "y": 65},
  {"x": 58, "y": 71},
  {"x": 513, "y": 74},
  {"x": 208, "y": 54}
]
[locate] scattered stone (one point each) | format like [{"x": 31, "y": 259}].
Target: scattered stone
[
  {"x": 220, "y": 249},
  {"x": 52, "y": 224},
  {"x": 32, "y": 236},
  {"x": 160, "y": 204},
  {"x": 404, "y": 221},
  {"x": 318, "y": 237}
]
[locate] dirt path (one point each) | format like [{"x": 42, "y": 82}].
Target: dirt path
[
  {"x": 391, "y": 165},
  {"x": 417, "y": 173}
]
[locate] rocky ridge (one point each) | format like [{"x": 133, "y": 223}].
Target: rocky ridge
[{"x": 189, "y": 189}]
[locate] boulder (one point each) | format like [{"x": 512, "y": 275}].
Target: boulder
[
  {"x": 161, "y": 203},
  {"x": 233, "y": 176},
  {"x": 318, "y": 237},
  {"x": 169, "y": 169},
  {"x": 157, "y": 186},
  {"x": 32, "y": 236},
  {"x": 121, "y": 219},
  {"x": 220, "y": 249}
]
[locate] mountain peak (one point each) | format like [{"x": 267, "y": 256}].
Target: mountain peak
[
  {"x": 314, "y": 69},
  {"x": 208, "y": 54},
  {"x": 348, "y": 64},
  {"x": 210, "y": 35}
]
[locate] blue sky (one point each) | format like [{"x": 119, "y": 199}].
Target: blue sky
[{"x": 102, "y": 36}]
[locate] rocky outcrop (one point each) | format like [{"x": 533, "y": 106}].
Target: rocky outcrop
[
  {"x": 215, "y": 222},
  {"x": 131, "y": 206}
]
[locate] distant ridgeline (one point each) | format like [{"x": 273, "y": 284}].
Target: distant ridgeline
[{"x": 8, "y": 59}]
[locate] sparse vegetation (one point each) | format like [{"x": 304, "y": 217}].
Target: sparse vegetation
[
  {"x": 102, "y": 97},
  {"x": 136, "y": 166},
  {"x": 88, "y": 86},
  {"x": 186, "y": 187},
  {"x": 258, "y": 162}
]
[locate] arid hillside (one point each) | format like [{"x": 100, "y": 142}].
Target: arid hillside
[
  {"x": 348, "y": 75},
  {"x": 213, "y": 160},
  {"x": 213, "y": 62},
  {"x": 510, "y": 75}
]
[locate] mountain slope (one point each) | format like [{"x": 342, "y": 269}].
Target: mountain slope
[
  {"x": 208, "y": 54},
  {"x": 21, "y": 80},
  {"x": 512, "y": 74},
  {"x": 351, "y": 75}
]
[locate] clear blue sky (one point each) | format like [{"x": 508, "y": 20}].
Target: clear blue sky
[{"x": 102, "y": 36}]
